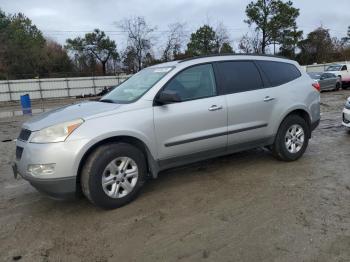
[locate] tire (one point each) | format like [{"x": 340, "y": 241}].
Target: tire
[
  {"x": 280, "y": 149},
  {"x": 337, "y": 86},
  {"x": 122, "y": 184}
]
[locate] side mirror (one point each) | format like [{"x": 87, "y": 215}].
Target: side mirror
[{"x": 167, "y": 97}]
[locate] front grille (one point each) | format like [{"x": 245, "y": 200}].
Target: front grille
[
  {"x": 24, "y": 135},
  {"x": 19, "y": 152}
]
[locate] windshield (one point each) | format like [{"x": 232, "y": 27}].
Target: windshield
[
  {"x": 315, "y": 75},
  {"x": 136, "y": 86},
  {"x": 334, "y": 68}
]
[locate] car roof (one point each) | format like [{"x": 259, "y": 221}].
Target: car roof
[
  {"x": 234, "y": 56},
  {"x": 223, "y": 57}
]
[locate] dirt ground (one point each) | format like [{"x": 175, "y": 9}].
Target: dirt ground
[{"x": 243, "y": 207}]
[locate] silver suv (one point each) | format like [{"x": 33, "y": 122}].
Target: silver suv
[{"x": 168, "y": 115}]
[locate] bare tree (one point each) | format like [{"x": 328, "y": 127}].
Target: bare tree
[
  {"x": 250, "y": 43},
  {"x": 174, "y": 42},
  {"x": 221, "y": 36},
  {"x": 139, "y": 37}
]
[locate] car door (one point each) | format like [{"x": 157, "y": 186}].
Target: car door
[
  {"x": 324, "y": 81},
  {"x": 249, "y": 105},
  {"x": 199, "y": 122},
  {"x": 333, "y": 79}
]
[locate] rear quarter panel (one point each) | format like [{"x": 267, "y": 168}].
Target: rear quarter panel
[{"x": 295, "y": 95}]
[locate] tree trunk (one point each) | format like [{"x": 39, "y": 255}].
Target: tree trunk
[
  {"x": 263, "y": 42},
  {"x": 140, "y": 64},
  {"x": 104, "y": 67}
]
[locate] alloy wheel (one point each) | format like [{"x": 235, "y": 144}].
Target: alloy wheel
[
  {"x": 120, "y": 177},
  {"x": 294, "y": 139}
]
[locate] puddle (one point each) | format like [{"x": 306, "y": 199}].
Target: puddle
[
  {"x": 7, "y": 140},
  {"x": 7, "y": 114}
]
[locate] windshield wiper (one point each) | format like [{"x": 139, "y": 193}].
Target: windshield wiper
[{"x": 107, "y": 101}]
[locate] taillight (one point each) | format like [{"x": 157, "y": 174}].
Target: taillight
[{"x": 317, "y": 86}]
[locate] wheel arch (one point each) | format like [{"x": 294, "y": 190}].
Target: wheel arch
[
  {"x": 152, "y": 165},
  {"x": 300, "y": 112}
]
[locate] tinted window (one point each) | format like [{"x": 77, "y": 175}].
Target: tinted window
[
  {"x": 334, "y": 68},
  {"x": 238, "y": 76},
  {"x": 325, "y": 76},
  {"x": 279, "y": 73},
  {"x": 344, "y": 68},
  {"x": 194, "y": 82},
  {"x": 315, "y": 75}
]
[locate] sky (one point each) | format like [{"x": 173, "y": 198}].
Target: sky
[{"x": 64, "y": 19}]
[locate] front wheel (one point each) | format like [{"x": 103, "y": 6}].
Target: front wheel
[
  {"x": 337, "y": 86},
  {"x": 113, "y": 175},
  {"x": 292, "y": 139}
]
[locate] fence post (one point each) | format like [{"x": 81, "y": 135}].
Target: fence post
[
  {"x": 118, "y": 79},
  {"x": 93, "y": 84},
  {"x": 40, "y": 90},
  {"x": 9, "y": 88},
  {"x": 41, "y": 93},
  {"x": 68, "y": 89}
]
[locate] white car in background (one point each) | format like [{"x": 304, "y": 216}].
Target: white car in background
[
  {"x": 346, "y": 114},
  {"x": 341, "y": 70}
]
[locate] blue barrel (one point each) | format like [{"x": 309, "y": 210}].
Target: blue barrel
[{"x": 26, "y": 105}]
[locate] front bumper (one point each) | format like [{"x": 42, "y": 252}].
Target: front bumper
[
  {"x": 62, "y": 183},
  {"x": 346, "y": 117},
  {"x": 61, "y": 188}
]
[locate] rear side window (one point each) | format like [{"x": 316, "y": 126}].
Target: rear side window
[
  {"x": 279, "y": 73},
  {"x": 238, "y": 76}
]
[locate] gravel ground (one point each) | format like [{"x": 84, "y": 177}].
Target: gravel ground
[{"x": 243, "y": 207}]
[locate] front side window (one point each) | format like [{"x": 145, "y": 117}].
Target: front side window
[
  {"x": 344, "y": 68},
  {"x": 136, "y": 86},
  {"x": 194, "y": 83},
  {"x": 324, "y": 76}
]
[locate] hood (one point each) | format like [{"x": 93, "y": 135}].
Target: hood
[{"x": 82, "y": 110}]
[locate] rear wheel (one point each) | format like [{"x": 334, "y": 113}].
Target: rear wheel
[
  {"x": 113, "y": 175},
  {"x": 292, "y": 139}
]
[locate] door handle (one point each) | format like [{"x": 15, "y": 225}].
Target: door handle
[
  {"x": 268, "y": 99},
  {"x": 214, "y": 108}
]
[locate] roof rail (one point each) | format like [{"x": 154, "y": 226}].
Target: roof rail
[{"x": 214, "y": 55}]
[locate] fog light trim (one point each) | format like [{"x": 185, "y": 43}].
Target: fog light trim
[{"x": 41, "y": 169}]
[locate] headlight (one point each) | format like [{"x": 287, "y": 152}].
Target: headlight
[{"x": 56, "y": 133}]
